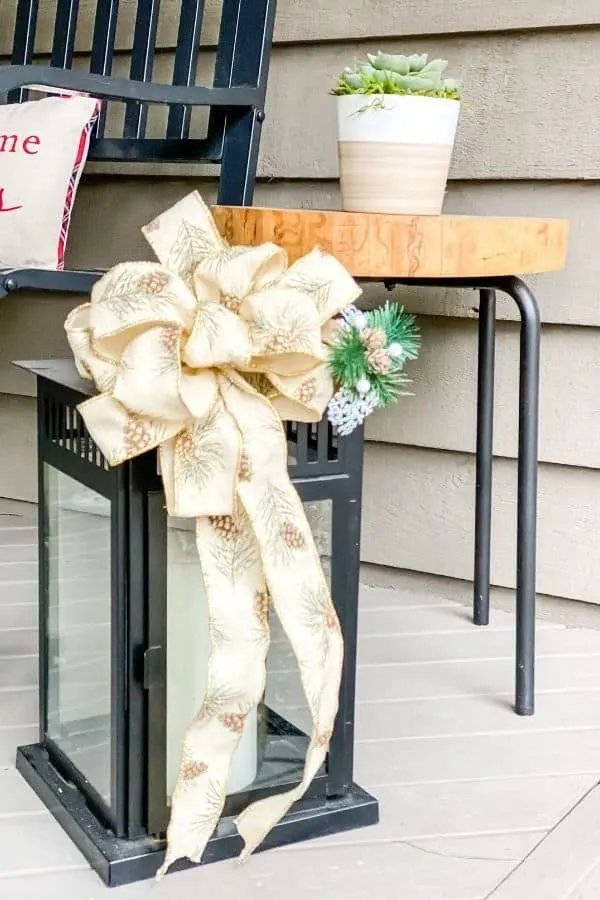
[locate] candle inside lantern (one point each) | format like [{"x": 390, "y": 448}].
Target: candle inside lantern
[{"x": 188, "y": 649}]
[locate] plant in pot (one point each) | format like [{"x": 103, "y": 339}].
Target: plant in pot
[{"x": 397, "y": 120}]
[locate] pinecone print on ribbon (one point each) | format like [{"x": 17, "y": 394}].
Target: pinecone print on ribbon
[
  {"x": 332, "y": 623},
  {"x": 292, "y": 536},
  {"x": 225, "y": 527},
  {"x": 137, "y": 436},
  {"x": 279, "y": 341},
  {"x": 323, "y": 739},
  {"x": 374, "y": 338},
  {"x": 245, "y": 469},
  {"x": 379, "y": 361},
  {"x": 169, "y": 341},
  {"x": 185, "y": 448},
  {"x": 233, "y": 722},
  {"x": 152, "y": 227},
  {"x": 261, "y": 606},
  {"x": 191, "y": 770},
  {"x": 307, "y": 390},
  {"x": 233, "y": 304},
  {"x": 154, "y": 283}
]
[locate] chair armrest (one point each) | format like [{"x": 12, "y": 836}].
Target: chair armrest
[{"x": 108, "y": 88}]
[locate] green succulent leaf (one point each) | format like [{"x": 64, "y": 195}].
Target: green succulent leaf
[
  {"x": 417, "y": 62},
  {"x": 392, "y": 63},
  {"x": 436, "y": 65},
  {"x": 389, "y": 73}
]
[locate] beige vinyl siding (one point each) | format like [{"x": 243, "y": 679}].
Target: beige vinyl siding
[
  {"x": 529, "y": 144},
  {"x": 299, "y": 21}
]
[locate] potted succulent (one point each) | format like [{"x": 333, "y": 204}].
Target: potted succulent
[{"x": 397, "y": 120}]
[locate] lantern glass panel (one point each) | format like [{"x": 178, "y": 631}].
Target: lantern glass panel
[{"x": 78, "y": 673}]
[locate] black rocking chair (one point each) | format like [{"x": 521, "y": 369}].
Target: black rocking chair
[{"x": 235, "y": 99}]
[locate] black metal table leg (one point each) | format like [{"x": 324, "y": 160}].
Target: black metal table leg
[
  {"x": 529, "y": 369},
  {"x": 484, "y": 450},
  {"x": 529, "y": 375}
]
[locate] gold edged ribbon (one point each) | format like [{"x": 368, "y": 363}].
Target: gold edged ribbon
[{"x": 201, "y": 355}]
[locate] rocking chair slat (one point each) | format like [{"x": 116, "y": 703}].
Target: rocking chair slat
[
  {"x": 186, "y": 62},
  {"x": 103, "y": 48},
  {"x": 24, "y": 41},
  {"x": 63, "y": 42},
  {"x": 142, "y": 63}
]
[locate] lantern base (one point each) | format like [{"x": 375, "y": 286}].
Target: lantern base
[{"x": 120, "y": 861}]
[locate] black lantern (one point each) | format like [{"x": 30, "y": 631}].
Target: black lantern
[{"x": 122, "y": 629}]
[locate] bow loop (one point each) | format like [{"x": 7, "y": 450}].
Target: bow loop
[{"x": 135, "y": 295}]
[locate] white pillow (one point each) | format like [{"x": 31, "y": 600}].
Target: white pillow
[{"x": 43, "y": 148}]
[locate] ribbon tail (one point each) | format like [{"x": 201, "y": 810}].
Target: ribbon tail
[
  {"x": 298, "y": 590},
  {"x": 238, "y": 621},
  {"x": 303, "y": 605},
  {"x": 258, "y": 819}
]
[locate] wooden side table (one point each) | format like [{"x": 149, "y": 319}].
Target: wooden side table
[{"x": 483, "y": 253}]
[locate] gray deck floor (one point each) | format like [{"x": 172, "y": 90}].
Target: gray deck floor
[{"x": 468, "y": 790}]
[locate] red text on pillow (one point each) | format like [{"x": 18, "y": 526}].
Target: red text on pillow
[
  {"x": 10, "y": 143},
  {"x": 4, "y": 208}
]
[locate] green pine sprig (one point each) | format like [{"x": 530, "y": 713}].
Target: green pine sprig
[
  {"x": 399, "y": 326},
  {"x": 390, "y": 386},
  {"x": 349, "y": 363}
]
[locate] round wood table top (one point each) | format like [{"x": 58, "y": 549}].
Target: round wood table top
[{"x": 374, "y": 245}]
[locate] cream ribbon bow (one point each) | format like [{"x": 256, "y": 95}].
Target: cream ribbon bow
[{"x": 202, "y": 355}]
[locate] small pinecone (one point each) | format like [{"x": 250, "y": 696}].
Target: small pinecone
[
  {"x": 233, "y": 722},
  {"x": 261, "y": 606},
  {"x": 190, "y": 770},
  {"x": 225, "y": 527},
  {"x": 380, "y": 361},
  {"x": 137, "y": 437},
  {"x": 323, "y": 739},
  {"x": 292, "y": 536},
  {"x": 374, "y": 338},
  {"x": 307, "y": 390},
  {"x": 233, "y": 304},
  {"x": 245, "y": 469},
  {"x": 279, "y": 342},
  {"x": 154, "y": 283}
]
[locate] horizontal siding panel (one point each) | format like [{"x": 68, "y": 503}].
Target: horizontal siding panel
[
  {"x": 301, "y": 21},
  {"x": 418, "y": 515},
  {"x": 32, "y": 326},
  {"x": 522, "y": 120},
  {"x": 418, "y": 510},
  {"x": 442, "y": 412},
  {"x": 506, "y": 108}
]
